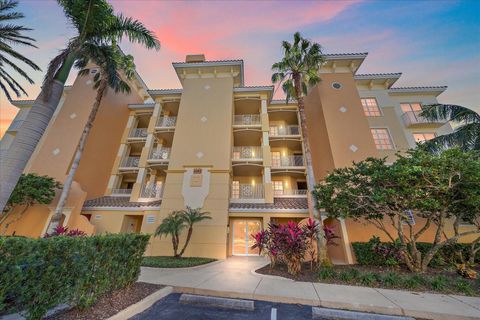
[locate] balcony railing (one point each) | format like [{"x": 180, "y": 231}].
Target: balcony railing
[
  {"x": 15, "y": 125},
  {"x": 159, "y": 154},
  {"x": 411, "y": 118},
  {"x": 288, "y": 161},
  {"x": 139, "y": 133},
  {"x": 290, "y": 193},
  {"x": 246, "y": 120},
  {"x": 130, "y": 162},
  {"x": 166, "y": 122},
  {"x": 151, "y": 191},
  {"x": 291, "y": 130},
  {"x": 247, "y": 153},
  {"x": 247, "y": 192},
  {"x": 121, "y": 192}
]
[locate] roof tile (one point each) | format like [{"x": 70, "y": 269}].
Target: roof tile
[
  {"x": 278, "y": 204},
  {"x": 118, "y": 202}
]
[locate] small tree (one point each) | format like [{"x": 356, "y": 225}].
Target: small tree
[
  {"x": 190, "y": 217},
  {"x": 438, "y": 188},
  {"x": 31, "y": 189},
  {"x": 175, "y": 222}
]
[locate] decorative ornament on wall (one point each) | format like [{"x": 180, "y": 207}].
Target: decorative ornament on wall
[
  {"x": 207, "y": 87},
  {"x": 343, "y": 109},
  {"x": 73, "y": 115},
  {"x": 89, "y": 82},
  {"x": 199, "y": 154},
  {"x": 203, "y": 119},
  {"x": 354, "y": 148},
  {"x": 56, "y": 151},
  {"x": 336, "y": 85}
]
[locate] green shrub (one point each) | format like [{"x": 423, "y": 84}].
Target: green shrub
[
  {"x": 391, "y": 279},
  {"x": 327, "y": 273},
  {"x": 465, "y": 287},
  {"x": 439, "y": 283},
  {"x": 413, "y": 282},
  {"x": 348, "y": 275},
  {"x": 38, "y": 274},
  {"x": 448, "y": 255},
  {"x": 368, "y": 279}
]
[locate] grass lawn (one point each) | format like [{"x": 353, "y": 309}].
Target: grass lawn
[{"x": 171, "y": 262}]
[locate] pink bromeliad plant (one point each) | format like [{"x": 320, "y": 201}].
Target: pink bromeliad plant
[
  {"x": 64, "y": 231},
  {"x": 290, "y": 243}
]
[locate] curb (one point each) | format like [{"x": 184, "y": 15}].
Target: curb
[
  {"x": 186, "y": 268},
  {"x": 326, "y": 313},
  {"x": 142, "y": 305},
  {"x": 237, "y": 304}
]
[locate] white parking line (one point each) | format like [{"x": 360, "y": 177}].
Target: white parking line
[{"x": 273, "y": 315}]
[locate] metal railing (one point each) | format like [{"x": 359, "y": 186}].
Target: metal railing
[
  {"x": 159, "y": 154},
  {"x": 246, "y": 120},
  {"x": 413, "y": 117},
  {"x": 130, "y": 162},
  {"x": 138, "y": 133},
  {"x": 242, "y": 153},
  {"x": 290, "y": 130},
  {"x": 166, "y": 122},
  {"x": 121, "y": 192},
  {"x": 248, "y": 191},
  {"x": 288, "y": 161},
  {"x": 289, "y": 193},
  {"x": 151, "y": 191}
]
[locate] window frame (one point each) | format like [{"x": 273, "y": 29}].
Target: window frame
[
  {"x": 423, "y": 133},
  {"x": 235, "y": 187},
  {"x": 389, "y": 136},
  {"x": 275, "y": 183},
  {"x": 380, "y": 111}
]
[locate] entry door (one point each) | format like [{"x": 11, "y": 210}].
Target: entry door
[{"x": 241, "y": 237}]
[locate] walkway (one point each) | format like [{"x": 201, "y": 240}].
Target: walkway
[{"x": 234, "y": 278}]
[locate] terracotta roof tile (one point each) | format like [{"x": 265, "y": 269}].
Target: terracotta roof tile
[
  {"x": 278, "y": 204},
  {"x": 118, "y": 202}
]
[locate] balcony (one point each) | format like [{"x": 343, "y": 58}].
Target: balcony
[
  {"x": 159, "y": 156},
  {"x": 285, "y": 131},
  {"x": 251, "y": 153},
  {"x": 247, "y": 120},
  {"x": 151, "y": 191},
  {"x": 166, "y": 122},
  {"x": 121, "y": 192},
  {"x": 412, "y": 119},
  {"x": 130, "y": 162},
  {"x": 138, "y": 133},
  {"x": 288, "y": 161},
  {"x": 247, "y": 193},
  {"x": 290, "y": 193}
]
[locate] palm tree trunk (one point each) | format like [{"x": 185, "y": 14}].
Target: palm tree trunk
[
  {"x": 322, "y": 254},
  {"x": 189, "y": 235},
  {"x": 78, "y": 154},
  {"x": 14, "y": 159}
]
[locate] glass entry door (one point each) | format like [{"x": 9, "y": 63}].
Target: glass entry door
[{"x": 241, "y": 237}]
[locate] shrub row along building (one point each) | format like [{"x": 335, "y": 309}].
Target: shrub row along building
[{"x": 220, "y": 145}]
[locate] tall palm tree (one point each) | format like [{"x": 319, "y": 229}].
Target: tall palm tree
[
  {"x": 112, "y": 64},
  {"x": 192, "y": 216},
  {"x": 95, "y": 22},
  {"x": 11, "y": 34},
  {"x": 172, "y": 225},
  {"x": 297, "y": 71},
  {"x": 465, "y": 136}
]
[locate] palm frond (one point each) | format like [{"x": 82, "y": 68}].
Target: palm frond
[
  {"x": 3, "y": 59},
  {"x": 5, "y": 90},
  {"x": 449, "y": 112},
  {"x": 134, "y": 30},
  {"x": 7, "y": 49},
  {"x": 17, "y": 88}
]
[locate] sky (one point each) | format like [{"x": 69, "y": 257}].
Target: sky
[{"x": 434, "y": 42}]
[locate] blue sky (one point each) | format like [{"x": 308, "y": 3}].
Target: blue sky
[{"x": 430, "y": 42}]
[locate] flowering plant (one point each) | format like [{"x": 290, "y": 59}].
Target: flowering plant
[{"x": 64, "y": 231}]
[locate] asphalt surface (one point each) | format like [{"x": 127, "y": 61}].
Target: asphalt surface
[{"x": 169, "y": 308}]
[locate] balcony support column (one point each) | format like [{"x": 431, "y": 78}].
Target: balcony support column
[
  {"x": 267, "y": 155},
  {"x": 153, "y": 120},
  {"x": 146, "y": 150},
  {"x": 137, "y": 187}
]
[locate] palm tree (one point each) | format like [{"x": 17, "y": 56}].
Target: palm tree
[
  {"x": 297, "y": 71},
  {"x": 110, "y": 61},
  {"x": 11, "y": 34},
  {"x": 466, "y": 135},
  {"x": 95, "y": 22},
  {"x": 192, "y": 216},
  {"x": 172, "y": 225}
]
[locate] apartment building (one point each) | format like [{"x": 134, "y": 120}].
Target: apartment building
[{"x": 217, "y": 144}]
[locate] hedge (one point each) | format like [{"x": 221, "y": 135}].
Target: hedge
[
  {"x": 445, "y": 256},
  {"x": 38, "y": 274}
]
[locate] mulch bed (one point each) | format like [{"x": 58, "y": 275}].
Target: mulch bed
[{"x": 111, "y": 303}]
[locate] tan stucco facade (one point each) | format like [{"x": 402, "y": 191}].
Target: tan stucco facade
[{"x": 216, "y": 144}]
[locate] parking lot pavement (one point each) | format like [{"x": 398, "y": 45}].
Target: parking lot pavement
[{"x": 169, "y": 308}]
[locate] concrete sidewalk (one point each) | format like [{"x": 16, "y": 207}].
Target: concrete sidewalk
[{"x": 235, "y": 278}]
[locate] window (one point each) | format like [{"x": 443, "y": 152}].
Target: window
[
  {"x": 277, "y": 188},
  {"x": 370, "y": 107},
  {"x": 336, "y": 85},
  {"x": 411, "y": 107},
  {"x": 423, "y": 136},
  {"x": 235, "y": 189},
  {"x": 276, "y": 162},
  {"x": 274, "y": 131},
  {"x": 382, "y": 139}
]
